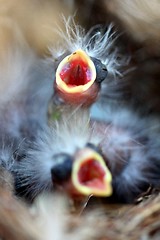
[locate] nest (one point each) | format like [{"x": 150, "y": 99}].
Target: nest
[{"x": 56, "y": 218}]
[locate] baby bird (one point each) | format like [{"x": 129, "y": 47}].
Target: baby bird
[
  {"x": 76, "y": 152},
  {"x": 77, "y": 85},
  {"x": 74, "y": 166}
]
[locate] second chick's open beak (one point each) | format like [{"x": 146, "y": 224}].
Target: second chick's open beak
[
  {"x": 75, "y": 79},
  {"x": 89, "y": 175}
]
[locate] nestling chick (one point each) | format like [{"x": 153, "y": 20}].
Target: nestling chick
[
  {"x": 127, "y": 144},
  {"x": 61, "y": 146},
  {"x": 74, "y": 116}
]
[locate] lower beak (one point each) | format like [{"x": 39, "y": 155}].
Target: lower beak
[{"x": 90, "y": 175}]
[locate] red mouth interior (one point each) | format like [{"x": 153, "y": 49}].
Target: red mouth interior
[
  {"x": 91, "y": 174},
  {"x": 76, "y": 73}
]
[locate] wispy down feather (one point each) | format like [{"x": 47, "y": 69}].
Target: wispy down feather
[{"x": 97, "y": 42}]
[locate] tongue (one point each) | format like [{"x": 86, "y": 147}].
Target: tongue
[
  {"x": 94, "y": 183},
  {"x": 76, "y": 74}
]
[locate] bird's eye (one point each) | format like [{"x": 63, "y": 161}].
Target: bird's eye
[{"x": 61, "y": 171}]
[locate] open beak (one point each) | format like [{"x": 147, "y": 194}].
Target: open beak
[
  {"x": 75, "y": 79},
  {"x": 90, "y": 175}
]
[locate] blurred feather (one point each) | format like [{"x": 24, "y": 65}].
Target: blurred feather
[{"x": 141, "y": 19}]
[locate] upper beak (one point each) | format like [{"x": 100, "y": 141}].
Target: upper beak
[
  {"x": 90, "y": 175},
  {"x": 75, "y": 78}
]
